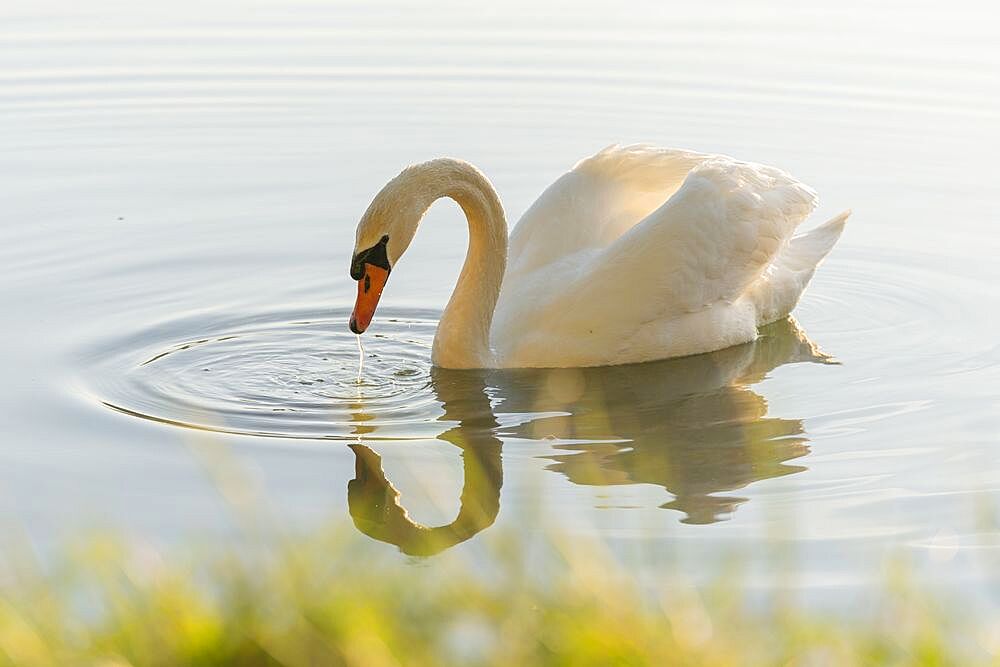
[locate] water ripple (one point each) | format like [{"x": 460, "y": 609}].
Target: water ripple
[{"x": 285, "y": 375}]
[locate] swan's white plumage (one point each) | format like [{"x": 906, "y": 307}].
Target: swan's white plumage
[
  {"x": 677, "y": 253},
  {"x": 592, "y": 205},
  {"x": 641, "y": 253}
]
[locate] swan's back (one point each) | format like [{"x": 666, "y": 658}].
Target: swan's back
[
  {"x": 593, "y": 204},
  {"x": 699, "y": 271}
]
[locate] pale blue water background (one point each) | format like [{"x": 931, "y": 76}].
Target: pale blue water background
[{"x": 180, "y": 172}]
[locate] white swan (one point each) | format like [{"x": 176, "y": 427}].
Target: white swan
[{"x": 637, "y": 253}]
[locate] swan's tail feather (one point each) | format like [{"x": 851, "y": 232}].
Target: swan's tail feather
[
  {"x": 778, "y": 291},
  {"x": 806, "y": 251}
]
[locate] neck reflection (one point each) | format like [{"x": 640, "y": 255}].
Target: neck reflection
[{"x": 374, "y": 503}]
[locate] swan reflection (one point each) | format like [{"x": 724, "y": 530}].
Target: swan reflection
[
  {"x": 374, "y": 503},
  {"x": 693, "y": 426}
]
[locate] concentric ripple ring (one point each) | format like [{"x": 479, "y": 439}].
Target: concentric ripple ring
[{"x": 290, "y": 374}]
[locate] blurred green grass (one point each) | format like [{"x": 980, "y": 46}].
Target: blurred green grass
[
  {"x": 327, "y": 600},
  {"x": 335, "y": 597}
]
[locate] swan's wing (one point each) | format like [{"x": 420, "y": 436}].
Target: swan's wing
[
  {"x": 697, "y": 253},
  {"x": 709, "y": 242},
  {"x": 597, "y": 201}
]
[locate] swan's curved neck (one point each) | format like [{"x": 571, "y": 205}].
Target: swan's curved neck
[{"x": 463, "y": 335}]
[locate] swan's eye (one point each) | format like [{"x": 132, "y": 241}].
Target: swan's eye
[{"x": 376, "y": 256}]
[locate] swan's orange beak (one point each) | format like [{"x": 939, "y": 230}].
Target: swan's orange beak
[{"x": 370, "y": 288}]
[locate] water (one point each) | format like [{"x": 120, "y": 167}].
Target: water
[{"x": 181, "y": 185}]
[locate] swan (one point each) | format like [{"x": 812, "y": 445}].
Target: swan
[{"x": 637, "y": 253}]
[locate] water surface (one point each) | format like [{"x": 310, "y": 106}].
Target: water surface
[{"x": 181, "y": 185}]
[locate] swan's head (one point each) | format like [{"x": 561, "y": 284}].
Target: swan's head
[{"x": 384, "y": 234}]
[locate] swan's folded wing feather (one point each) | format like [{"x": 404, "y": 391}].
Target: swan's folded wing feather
[
  {"x": 597, "y": 201},
  {"x": 710, "y": 241}
]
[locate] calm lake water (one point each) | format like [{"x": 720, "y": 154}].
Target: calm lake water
[{"x": 181, "y": 183}]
